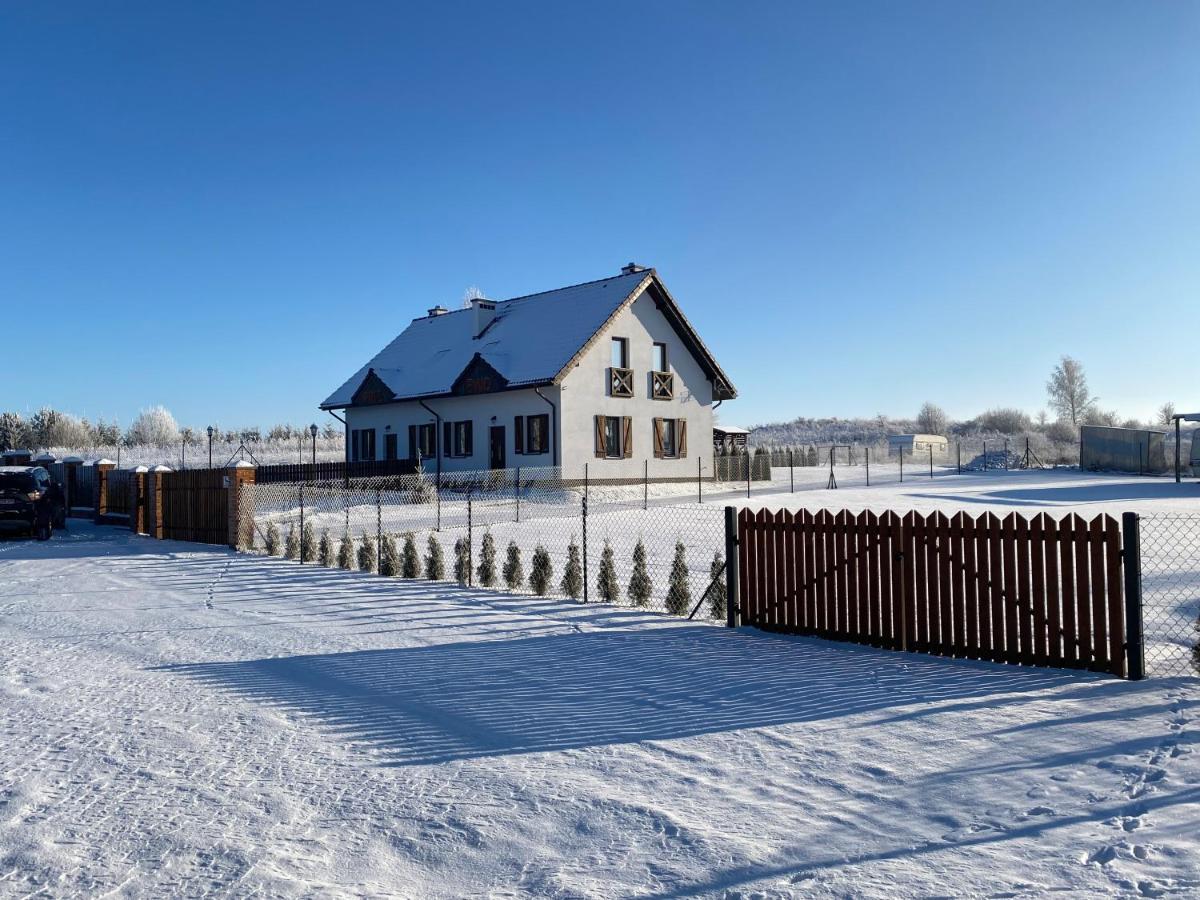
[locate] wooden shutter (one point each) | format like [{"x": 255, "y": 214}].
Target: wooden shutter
[
  {"x": 681, "y": 436},
  {"x": 469, "y": 449},
  {"x": 447, "y": 439},
  {"x": 600, "y": 449},
  {"x": 627, "y": 436},
  {"x": 658, "y": 438},
  {"x": 412, "y": 442},
  {"x": 519, "y": 434}
]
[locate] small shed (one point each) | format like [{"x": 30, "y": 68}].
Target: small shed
[
  {"x": 1106, "y": 449},
  {"x": 916, "y": 443},
  {"x": 727, "y": 438}
]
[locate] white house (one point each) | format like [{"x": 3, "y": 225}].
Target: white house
[{"x": 608, "y": 373}]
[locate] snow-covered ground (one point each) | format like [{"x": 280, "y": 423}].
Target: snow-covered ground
[{"x": 189, "y": 721}]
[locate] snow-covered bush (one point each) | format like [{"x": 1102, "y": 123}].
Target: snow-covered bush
[
  {"x": 345, "y": 557},
  {"x": 308, "y": 542},
  {"x": 717, "y": 596},
  {"x": 366, "y": 554},
  {"x": 572, "y": 580},
  {"x": 435, "y": 562},
  {"x": 462, "y": 561},
  {"x": 486, "y": 571},
  {"x": 541, "y": 572},
  {"x": 679, "y": 592},
  {"x": 514, "y": 573},
  {"x": 640, "y": 585},
  {"x": 291, "y": 548},
  {"x": 607, "y": 587},
  {"x": 389, "y": 557},
  {"x": 272, "y": 540},
  {"x": 410, "y": 561},
  {"x": 325, "y": 550}
]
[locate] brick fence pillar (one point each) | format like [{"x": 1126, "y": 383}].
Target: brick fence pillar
[
  {"x": 154, "y": 501},
  {"x": 137, "y": 509},
  {"x": 241, "y": 513},
  {"x": 100, "y": 488}
]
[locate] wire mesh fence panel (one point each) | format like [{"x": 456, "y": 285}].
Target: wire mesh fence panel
[
  {"x": 533, "y": 538},
  {"x": 1170, "y": 592}
]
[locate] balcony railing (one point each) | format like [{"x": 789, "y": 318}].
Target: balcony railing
[
  {"x": 620, "y": 382},
  {"x": 662, "y": 386}
]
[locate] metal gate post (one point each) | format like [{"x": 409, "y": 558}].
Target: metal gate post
[
  {"x": 585, "y": 555},
  {"x": 931, "y": 460},
  {"x": 792, "y": 470},
  {"x": 378, "y": 525},
  {"x": 517, "y": 493},
  {"x": 868, "y": 466},
  {"x": 733, "y": 599},
  {"x": 470, "y": 544},
  {"x": 302, "y": 523},
  {"x": 699, "y": 485},
  {"x": 1135, "y": 649}
]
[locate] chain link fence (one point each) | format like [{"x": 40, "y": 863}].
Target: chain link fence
[
  {"x": 530, "y": 533},
  {"x": 1170, "y": 592}
]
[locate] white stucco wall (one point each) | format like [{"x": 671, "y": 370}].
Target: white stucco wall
[
  {"x": 479, "y": 409},
  {"x": 585, "y": 395}
]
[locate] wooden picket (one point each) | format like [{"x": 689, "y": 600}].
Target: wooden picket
[{"x": 1037, "y": 592}]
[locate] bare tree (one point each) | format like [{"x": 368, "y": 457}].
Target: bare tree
[
  {"x": 932, "y": 419},
  {"x": 1068, "y": 391},
  {"x": 1166, "y": 413},
  {"x": 472, "y": 294}
]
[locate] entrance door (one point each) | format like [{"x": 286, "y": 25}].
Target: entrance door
[{"x": 496, "y": 454}]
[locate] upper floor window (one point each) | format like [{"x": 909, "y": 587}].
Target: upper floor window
[
  {"x": 658, "y": 358},
  {"x": 620, "y": 353}
]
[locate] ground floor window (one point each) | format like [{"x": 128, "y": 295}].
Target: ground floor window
[
  {"x": 422, "y": 441},
  {"x": 362, "y": 444},
  {"x": 670, "y": 438},
  {"x": 538, "y": 435},
  {"x": 462, "y": 439}
]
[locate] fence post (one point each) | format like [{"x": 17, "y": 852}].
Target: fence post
[
  {"x": 302, "y": 522},
  {"x": 437, "y": 499},
  {"x": 868, "y": 458},
  {"x": 747, "y": 473},
  {"x": 1006, "y": 454},
  {"x": 241, "y": 515},
  {"x": 733, "y": 601},
  {"x": 1135, "y": 649},
  {"x": 901, "y": 449},
  {"x": 645, "y": 484},
  {"x": 931, "y": 460},
  {"x": 517, "y": 492},
  {"x": 958, "y": 446},
  {"x": 137, "y": 513},
  {"x": 985, "y": 460},
  {"x": 585, "y": 555},
  {"x": 470, "y": 542},
  {"x": 699, "y": 479}
]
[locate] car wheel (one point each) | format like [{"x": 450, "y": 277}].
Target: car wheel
[{"x": 44, "y": 531}]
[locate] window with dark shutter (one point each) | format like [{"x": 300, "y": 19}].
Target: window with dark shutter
[{"x": 538, "y": 434}]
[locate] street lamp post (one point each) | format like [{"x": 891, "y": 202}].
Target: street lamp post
[
  {"x": 312, "y": 429},
  {"x": 210, "y": 434}
]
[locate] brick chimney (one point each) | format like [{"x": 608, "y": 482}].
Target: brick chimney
[
  {"x": 437, "y": 311},
  {"x": 484, "y": 311},
  {"x": 631, "y": 268}
]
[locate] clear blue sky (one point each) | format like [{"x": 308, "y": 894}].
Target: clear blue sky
[{"x": 226, "y": 208}]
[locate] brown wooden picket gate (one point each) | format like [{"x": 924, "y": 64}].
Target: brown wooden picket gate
[
  {"x": 195, "y": 506},
  {"x": 1038, "y": 591}
]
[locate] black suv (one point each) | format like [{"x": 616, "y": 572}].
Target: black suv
[{"x": 30, "y": 501}]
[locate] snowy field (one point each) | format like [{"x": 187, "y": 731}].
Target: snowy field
[{"x": 187, "y": 721}]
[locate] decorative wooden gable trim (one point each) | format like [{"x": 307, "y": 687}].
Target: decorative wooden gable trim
[
  {"x": 479, "y": 377},
  {"x": 372, "y": 390}
]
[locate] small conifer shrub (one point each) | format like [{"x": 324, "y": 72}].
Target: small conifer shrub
[
  {"x": 308, "y": 542},
  {"x": 717, "y": 595},
  {"x": 606, "y": 579},
  {"x": 462, "y": 561},
  {"x": 291, "y": 549},
  {"x": 325, "y": 550},
  {"x": 542, "y": 571},
  {"x": 639, "y": 582},
  {"x": 435, "y": 562},
  {"x": 345, "y": 557},
  {"x": 514, "y": 572},
  {"x": 572, "y": 580},
  {"x": 272, "y": 540},
  {"x": 679, "y": 592},
  {"x": 389, "y": 557},
  {"x": 410, "y": 561},
  {"x": 366, "y": 554},
  {"x": 486, "y": 571}
]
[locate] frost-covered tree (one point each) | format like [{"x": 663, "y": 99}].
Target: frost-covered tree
[
  {"x": 486, "y": 570},
  {"x": 572, "y": 580},
  {"x": 410, "y": 560},
  {"x": 932, "y": 419},
  {"x": 607, "y": 586},
  {"x": 1095, "y": 416},
  {"x": 462, "y": 561},
  {"x": 308, "y": 542},
  {"x": 291, "y": 548},
  {"x": 1061, "y": 432},
  {"x": 345, "y": 557},
  {"x": 513, "y": 571},
  {"x": 541, "y": 571},
  {"x": 679, "y": 592},
  {"x": 640, "y": 585},
  {"x": 272, "y": 540},
  {"x": 1005, "y": 420},
  {"x": 325, "y": 550},
  {"x": 1068, "y": 391},
  {"x": 717, "y": 596},
  {"x": 51, "y": 428},
  {"x": 1166, "y": 413},
  {"x": 435, "y": 561},
  {"x": 389, "y": 557},
  {"x": 153, "y": 427},
  {"x": 366, "y": 554},
  {"x": 14, "y": 433}
]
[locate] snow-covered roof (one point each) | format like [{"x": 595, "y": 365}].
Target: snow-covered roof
[
  {"x": 1187, "y": 417},
  {"x": 530, "y": 341},
  {"x": 730, "y": 429}
]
